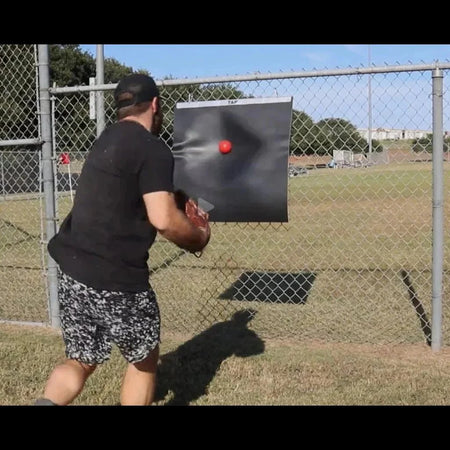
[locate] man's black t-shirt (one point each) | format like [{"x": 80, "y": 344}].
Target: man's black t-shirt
[{"x": 105, "y": 239}]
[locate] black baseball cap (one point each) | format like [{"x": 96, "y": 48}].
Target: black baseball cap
[{"x": 141, "y": 87}]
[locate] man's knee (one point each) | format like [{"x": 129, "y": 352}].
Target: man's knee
[
  {"x": 87, "y": 369},
  {"x": 150, "y": 363}
]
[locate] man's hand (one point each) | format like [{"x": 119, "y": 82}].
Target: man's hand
[
  {"x": 173, "y": 223},
  {"x": 198, "y": 217}
]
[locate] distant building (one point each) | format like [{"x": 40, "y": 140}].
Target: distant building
[{"x": 393, "y": 133}]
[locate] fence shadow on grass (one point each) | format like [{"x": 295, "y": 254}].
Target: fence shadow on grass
[
  {"x": 417, "y": 305},
  {"x": 187, "y": 371}
]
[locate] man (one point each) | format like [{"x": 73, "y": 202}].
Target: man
[{"x": 125, "y": 195}]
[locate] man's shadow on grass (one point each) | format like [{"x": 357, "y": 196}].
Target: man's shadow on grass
[{"x": 188, "y": 370}]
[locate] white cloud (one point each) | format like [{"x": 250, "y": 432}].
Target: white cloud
[
  {"x": 316, "y": 57},
  {"x": 358, "y": 49}
]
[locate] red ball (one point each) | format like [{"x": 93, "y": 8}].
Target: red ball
[{"x": 225, "y": 146}]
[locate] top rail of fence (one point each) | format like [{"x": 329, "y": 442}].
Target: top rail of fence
[{"x": 265, "y": 76}]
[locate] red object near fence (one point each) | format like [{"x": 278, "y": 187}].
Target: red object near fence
[{"x": 64, "y": 158}]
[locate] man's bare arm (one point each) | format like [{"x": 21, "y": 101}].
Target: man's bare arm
[{"x": 172, "y": 223}]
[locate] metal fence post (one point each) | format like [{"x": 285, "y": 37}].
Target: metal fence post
[
  {"x": 3, "y": 176},
  {"x": 438, "y": 210},
  {"x": 100, "y": 104},
  {"x": 48, "y": 179}
]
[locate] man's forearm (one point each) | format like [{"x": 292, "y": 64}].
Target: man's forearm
[{"x": 181, "y": 232}]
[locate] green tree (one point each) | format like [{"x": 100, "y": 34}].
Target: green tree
[
  {"x": 425, "y": 144},
  {"x": 306, "y": 137},
  {"x": 340, "y": 134},
  {"x": 18, "y": 99},
  {"x": 114, "y": 71},
  {"x": 69, "y": 65}
]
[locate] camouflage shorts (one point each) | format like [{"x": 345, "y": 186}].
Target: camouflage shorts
[{"x": 92, "y": 320}]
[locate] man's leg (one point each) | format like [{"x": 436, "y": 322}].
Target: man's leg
[
  {"x": 67, "y": 381},
  {"x": 139, "y": 382}
]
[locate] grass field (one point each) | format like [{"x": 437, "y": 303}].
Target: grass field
[
  {"x": 358, "y": 242},
  {"x": 226, "y": 365},
  {"x": 362, "y": 238}
]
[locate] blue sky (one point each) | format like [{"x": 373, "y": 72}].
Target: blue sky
[
  {"x": 399, "y": 100},
  {"x": 208, "y": 60}
]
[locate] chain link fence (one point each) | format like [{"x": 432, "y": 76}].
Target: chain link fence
[
  {"x": 23, "y": 295},
  {"x": 352, "y": 264}
]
